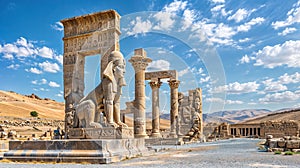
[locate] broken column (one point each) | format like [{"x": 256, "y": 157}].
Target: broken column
[
  {"x": 155, "y": 85},
  {"x": 174, "y": 106},
  {"x": 139, "y": 62}
]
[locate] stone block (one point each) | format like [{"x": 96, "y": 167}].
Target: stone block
[
  {"x": 281, "y": 143},
  {"x": 272, "y": 143},
  {"x": 292, "y": 144},
  {"x": 296, "y": 150},
  {"x": 87, "y": 150},
  {"x": 101, "y": 133}
]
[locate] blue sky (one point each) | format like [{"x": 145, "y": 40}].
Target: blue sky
[{"x": 243, "y": 54}]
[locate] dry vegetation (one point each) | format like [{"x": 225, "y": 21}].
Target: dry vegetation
[{"x": 19, "y": 106}]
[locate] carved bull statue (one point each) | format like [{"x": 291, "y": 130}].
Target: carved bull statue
[{"x": 107, "y": 94}]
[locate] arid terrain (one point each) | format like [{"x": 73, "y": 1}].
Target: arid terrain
[
  {"x": 15, "y": 109},
  {"x": 20, "y": 106}
]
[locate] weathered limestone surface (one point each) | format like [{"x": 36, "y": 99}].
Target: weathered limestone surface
[
  {"x": 92, "y": 34},
  {"x": 286, "y": 143},
  {"x": 91, "y": 151},
  {"x": 174, "y": 106},
  {"x": 155, "y": 85},
  {"x": 101, "y": 133},
  {"x": 139, "y": 62},
  {"x": 280, "y": 128}
]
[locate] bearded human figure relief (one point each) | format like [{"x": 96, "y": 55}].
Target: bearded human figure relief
[{"x": 106, "y": 95}]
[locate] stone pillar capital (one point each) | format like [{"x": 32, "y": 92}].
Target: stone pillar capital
[
  {"x": 174, "y": 84},
  {"x": 139, "y": 63},
  {"x": 155, "y": 84}
]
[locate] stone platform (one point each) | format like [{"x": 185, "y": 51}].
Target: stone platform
[
  {"x": 101, "y": 133},
  {"x": 163, "y": 141},
  {"x": 76, "y": 150}
]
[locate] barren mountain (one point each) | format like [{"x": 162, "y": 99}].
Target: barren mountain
[
  {"x": 284, "y": 114},
  {"x": 20, "y": 106},
  {"x": 234, "y": 116}
]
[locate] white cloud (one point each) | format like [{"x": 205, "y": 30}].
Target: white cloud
[
  {"x": 239, "y": 15},
  {"x": 23, "y": 42},
  {"x": 218, "y": 1},
  {"x": 237, "y": 88},
  {"x": 21, "y": 48},
  {"x": 286, "y": 96},
  {"x": 53, "y": 84},
  {"x": 164, "y": 21},
  {"x": 59, "y": 95},
  {"x": 244, "y": 40},
  {"x": 159, "y": 65},
  {"x": 293, "y": 16},
  {"x": 175, "y": 6},
  {"x": 58, "y": 26},
  {"x": 24, "y": 48},
  {"x": 13, "y": 66},
  {"x": 219, "y": 100},
  {"x": 244, "y": 59},
  {"x": 279, "y": 55},
  {"x": 34, "y": 70},
  {"x": 272, "y": 86},
  {"x": 206, "y": 79},
  {"x": 59, "y": 58},
  {"x": 165, "y": 18},
  {"x": 49, "y": 67},
  {"x": 189, "y": 17},
  {"x": 247, "y": 26},
  {"x": 8, "y": 56},
  {"x": 287, "y": 30},
  {"x": 43, "y": 89},
  {"x": 140, "y": 26},
  {"x": 234, "y": 102},
  {"x": 287, "y": 79},
  {"x": 43, "y": 81},
  {"x": 46, "y": 52},
  {"x": 183, "y": 72},
  {"x": 214, "y": 99}
]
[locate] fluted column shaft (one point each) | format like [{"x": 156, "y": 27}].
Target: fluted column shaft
[
  {"x": 174, "y": 106},
  {"x": 155, "y": 85},
  {"x": 139, "y": 62}
]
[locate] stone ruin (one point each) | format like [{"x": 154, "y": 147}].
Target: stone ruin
[
  {"x": 189, "y": 119},
  {"x": 286, "y": 143},
  {"x": 93, "y": 121},
  {"x": 279, "y": 129}
]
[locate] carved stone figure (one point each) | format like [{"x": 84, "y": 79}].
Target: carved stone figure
[
  {"x": 112, "y": 82},
  {"x": 107, "y": 94},
  {"x": 195, "y": 131},
  {"x": 85, "y": 115}
]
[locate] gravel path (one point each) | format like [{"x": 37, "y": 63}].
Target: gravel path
[{"x": 226, "y": 153}]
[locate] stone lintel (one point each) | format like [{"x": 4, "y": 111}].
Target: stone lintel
[
  {"x": 102, "y": 13},
  {"x": 172, "y": 74}
]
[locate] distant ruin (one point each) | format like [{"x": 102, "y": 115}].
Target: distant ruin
[{"x": 277, "y": 129}]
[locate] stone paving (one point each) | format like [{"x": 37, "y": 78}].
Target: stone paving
[{"x": 226, "y": 153}]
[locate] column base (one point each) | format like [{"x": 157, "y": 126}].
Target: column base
[
  {"x": 156, "y": 135},
  {"x": 141, "y": 135},
  {"x": 173, "y": 135}
]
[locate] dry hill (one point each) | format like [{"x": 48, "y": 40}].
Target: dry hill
[
  {"x": 283, "y": 115},
  {"x": 20, "y": 106}
]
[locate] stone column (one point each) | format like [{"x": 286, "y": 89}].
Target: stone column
[
  {"x": 155, "y": 85},
  {"x": 174, "y": 105},
  {"x": 139, "y": 62}
]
